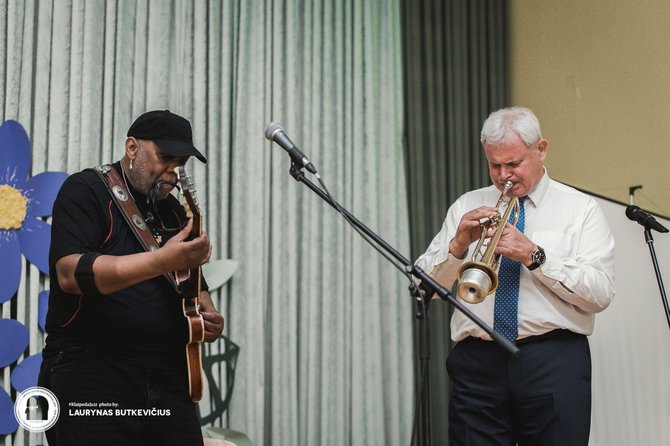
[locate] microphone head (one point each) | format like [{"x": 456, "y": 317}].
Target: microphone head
[
  {"x": 631, "y": 211},
  {"x": 271, "y": 129}
]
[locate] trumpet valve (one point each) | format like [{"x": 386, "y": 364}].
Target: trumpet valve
[{"x": 490, "y": 221}]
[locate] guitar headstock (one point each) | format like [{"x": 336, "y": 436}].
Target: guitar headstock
[{"x": 190, "y": 198}]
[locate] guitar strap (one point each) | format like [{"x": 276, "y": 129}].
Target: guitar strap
[{"x": 128, "y": 208}]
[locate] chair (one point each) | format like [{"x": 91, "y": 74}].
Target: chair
[{"x": 218, "y": 435}]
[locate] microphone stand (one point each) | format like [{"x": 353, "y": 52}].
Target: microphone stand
[
  {"x": 421, "y": 294},
  {"x": 650, "y": 242}
]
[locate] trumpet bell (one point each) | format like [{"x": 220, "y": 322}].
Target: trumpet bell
[{"x": 475, "y": 282}]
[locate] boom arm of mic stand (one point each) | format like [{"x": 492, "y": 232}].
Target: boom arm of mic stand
[
  {"x": 428, "y": 282},
  {"x": 444, "y": 294}
]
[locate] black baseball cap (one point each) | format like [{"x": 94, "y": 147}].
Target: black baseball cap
[{"x": 169, "y": 131}]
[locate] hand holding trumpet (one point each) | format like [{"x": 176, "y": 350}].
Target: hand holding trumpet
[
  {"x": 497, "y": 236},
  {"x": 470, "y": 229},
  {"x": 515, "y": 245}
]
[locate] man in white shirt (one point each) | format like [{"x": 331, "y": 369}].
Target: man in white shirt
[{"x": 564, "y": 255}]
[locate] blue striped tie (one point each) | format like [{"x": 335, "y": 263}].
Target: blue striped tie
[{"x": 505, "y": 313}]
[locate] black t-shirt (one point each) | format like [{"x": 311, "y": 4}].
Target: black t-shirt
[{"x": 142, "y": 324}]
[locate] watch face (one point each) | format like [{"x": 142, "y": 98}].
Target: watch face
[{"x": 539, "y": 257}]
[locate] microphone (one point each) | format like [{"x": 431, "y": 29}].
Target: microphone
[
  {"x": 275, "y": 132},
  {"x": 643, "y": 218}
]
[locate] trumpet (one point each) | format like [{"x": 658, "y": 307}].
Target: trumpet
[{"x": 478, "y": 277}]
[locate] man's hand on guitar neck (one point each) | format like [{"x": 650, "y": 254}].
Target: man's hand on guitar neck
[
  {"x": 180, "y": 255},
  {"x": 212, "y": 318}
]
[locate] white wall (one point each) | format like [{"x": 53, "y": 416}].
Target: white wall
[
  {"x": 631, "y": 343},
  {"x": 596, "y": 74}
]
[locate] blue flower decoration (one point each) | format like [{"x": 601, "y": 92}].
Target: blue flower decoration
[
  {"x": 14, "y": 338},
  {"x": 25, "y": 374},
  {"x": 8, "y": 423},
  {"x": 25, "y": 202}
]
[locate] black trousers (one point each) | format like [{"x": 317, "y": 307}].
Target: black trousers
[
  {"x": 541, "y": 397},
  {"x": 107, "y": 402}
]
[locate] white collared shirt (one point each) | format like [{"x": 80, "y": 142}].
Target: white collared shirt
[{"x": 575, "y": 282}]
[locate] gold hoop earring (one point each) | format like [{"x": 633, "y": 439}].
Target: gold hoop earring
[{"x": 131, "y": 164}]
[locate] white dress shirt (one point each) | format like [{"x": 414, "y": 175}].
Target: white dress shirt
[{"x": 575, "y": 282}]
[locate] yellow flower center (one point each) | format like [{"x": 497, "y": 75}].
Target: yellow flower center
[{"x": 13, "y": 207}]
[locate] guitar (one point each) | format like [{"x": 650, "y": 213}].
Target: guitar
[{"x": 190, "y": 286}]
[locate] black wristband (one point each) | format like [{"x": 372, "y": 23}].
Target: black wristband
[{"x": 84, "y": 273}]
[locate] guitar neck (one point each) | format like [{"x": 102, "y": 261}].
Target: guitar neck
[
  {"x": 196, "y": 231},
  {"x": 190, "y": 291},
  {"x": 193, "y": 211}
]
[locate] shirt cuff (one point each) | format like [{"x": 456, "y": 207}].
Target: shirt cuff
[{"x": 446, "y": 271}]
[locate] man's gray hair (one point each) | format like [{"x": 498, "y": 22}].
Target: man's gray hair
[{"x": 501, "y": 124}]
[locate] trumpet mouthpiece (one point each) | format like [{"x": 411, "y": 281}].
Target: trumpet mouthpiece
[{"x": 507, "y": 186}]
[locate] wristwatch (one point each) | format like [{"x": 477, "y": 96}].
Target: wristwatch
[{"x": 538, "y": 257}]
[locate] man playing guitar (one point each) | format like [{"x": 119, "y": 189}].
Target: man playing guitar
[{"x": 116, "y": 326}]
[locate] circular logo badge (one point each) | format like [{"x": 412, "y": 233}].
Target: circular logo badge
[{"x": 36, "y": 409}]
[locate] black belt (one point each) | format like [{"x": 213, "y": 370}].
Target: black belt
[{"x": 547, "y": 335}]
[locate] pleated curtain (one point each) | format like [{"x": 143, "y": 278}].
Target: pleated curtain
[{"x": 455, "y": 62}]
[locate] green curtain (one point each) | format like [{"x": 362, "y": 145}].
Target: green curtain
[
  {"x": 455, "y": 66},
  {"x": 324, "y": 323}
]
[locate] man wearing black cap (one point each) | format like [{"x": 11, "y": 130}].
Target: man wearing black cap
[{"x": 114, "y": 353}]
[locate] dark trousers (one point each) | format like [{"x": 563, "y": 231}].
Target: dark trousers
[
  {"x": 107, "y": 402},
  {"x": 541, "y": 397}
]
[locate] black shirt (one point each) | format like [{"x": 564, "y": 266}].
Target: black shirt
[{"x": 142, "y": 324}]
